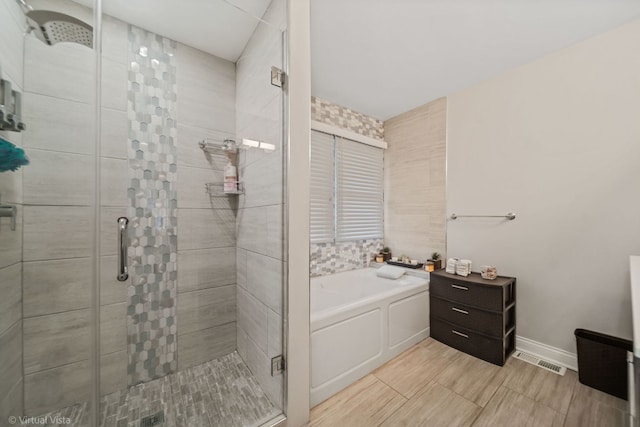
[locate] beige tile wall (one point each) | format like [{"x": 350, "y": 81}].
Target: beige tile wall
[
  {"x": 11, "y": 378},
  {"x": 414, "y": 180},
  {"x": 206, "y": 304},
  {"x": 57, "y": 214}
]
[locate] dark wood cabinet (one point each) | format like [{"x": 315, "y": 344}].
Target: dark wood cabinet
[{"x": 474, "y": 315}]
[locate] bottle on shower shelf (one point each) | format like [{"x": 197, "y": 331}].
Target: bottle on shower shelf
[{"x": 230, "y": 178}]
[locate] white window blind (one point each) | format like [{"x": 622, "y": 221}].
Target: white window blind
[
  {"x": 346, "y": 189},
  {"x": 322, "y": 209},
  {"x": 359, "y": 202}
]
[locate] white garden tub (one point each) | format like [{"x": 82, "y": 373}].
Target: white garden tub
[{"x": 359, "y": 321}]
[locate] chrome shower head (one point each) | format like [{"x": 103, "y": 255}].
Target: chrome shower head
[{"x": 54, "y": 27}]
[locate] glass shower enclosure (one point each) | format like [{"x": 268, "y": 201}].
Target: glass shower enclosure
[{"x": 142, "y": 232}]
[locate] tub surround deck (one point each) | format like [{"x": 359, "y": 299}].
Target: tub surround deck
[{"x": 416, "y": 272}]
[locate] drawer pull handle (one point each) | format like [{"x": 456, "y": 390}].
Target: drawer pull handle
[
  {"x": 457, "y": 310},
  {"x": 460, "y": 333},
  {"x": 462, "y": 288}
]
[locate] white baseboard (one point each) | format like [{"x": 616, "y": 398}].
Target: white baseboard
[{"x": 544, "y": 351}]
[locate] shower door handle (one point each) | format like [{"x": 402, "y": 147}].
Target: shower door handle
[{"x": 123, "y": 269}]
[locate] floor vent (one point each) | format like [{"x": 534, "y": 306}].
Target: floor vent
[
  {"x": 544, "y": 364},
  {"x": 152, "y": 420}
]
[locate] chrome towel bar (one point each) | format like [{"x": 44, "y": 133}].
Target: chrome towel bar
[{"x": 510, "y": 216}]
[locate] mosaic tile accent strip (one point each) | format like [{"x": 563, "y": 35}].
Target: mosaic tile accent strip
[
  {"x": 330, "y": 258},
  {"x": 218, "y": 393},
  {"x": 151, "y": 325},
  {"x": 342, "y": 117}
]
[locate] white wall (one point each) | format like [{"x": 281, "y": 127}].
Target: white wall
[{"x": 557, "y": 142}]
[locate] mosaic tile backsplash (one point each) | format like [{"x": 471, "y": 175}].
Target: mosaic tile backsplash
[
  {"x": 342, "y": 117},
  {"x": 151, "y": 320},
  {"x": 329, "y": 258}
]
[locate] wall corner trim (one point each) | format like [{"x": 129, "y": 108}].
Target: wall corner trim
[{"x": 297, "y": 334}]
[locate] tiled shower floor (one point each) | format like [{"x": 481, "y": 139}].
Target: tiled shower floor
[{"x": 218, "y": 393}]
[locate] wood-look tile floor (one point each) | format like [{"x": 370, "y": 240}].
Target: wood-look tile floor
[{"x": 432, "y": 384}]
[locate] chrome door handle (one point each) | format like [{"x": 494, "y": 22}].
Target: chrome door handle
[{"x": 123, "y": 269}]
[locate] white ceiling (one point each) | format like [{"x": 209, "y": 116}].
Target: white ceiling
[
  {"x": 384, "y": 57},
  {"x": 219, "y": 27}
]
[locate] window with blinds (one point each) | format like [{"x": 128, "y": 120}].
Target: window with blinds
[
  {"x": 322, "y": 204},
  {"x": 359, "y": 205},
  {"x": 346, "y": 189}
]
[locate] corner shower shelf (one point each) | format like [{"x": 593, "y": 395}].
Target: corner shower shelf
[
  {"x": 212, "y": 146},
  {"x": 228, "y": 147},
  {"x": 216, "y": 189}
]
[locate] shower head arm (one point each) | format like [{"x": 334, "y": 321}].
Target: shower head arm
[{"x": 26, "y": 7}]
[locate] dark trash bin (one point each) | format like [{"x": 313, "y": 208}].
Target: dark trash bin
[{"x": 602, "y": 362}]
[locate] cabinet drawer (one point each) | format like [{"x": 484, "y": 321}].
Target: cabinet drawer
[
  {"x": 485, "y": 322},
  {"x": 475, "y": 295},
  {"x": 468, "y": 341}
]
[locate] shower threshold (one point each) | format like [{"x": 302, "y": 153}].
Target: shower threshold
[{"x": 219, "y": 393}]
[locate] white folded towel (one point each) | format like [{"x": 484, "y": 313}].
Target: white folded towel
[
  {"x": 463, "y": 267},
  {"x": 390, "y": 272},
  {"x": 451, "y": 265}
]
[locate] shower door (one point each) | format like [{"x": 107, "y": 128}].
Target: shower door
[
  {"x": 49, "y": 255},
  {"x": 199, "y": 318},
  {"x": 137, "y": 288}
]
